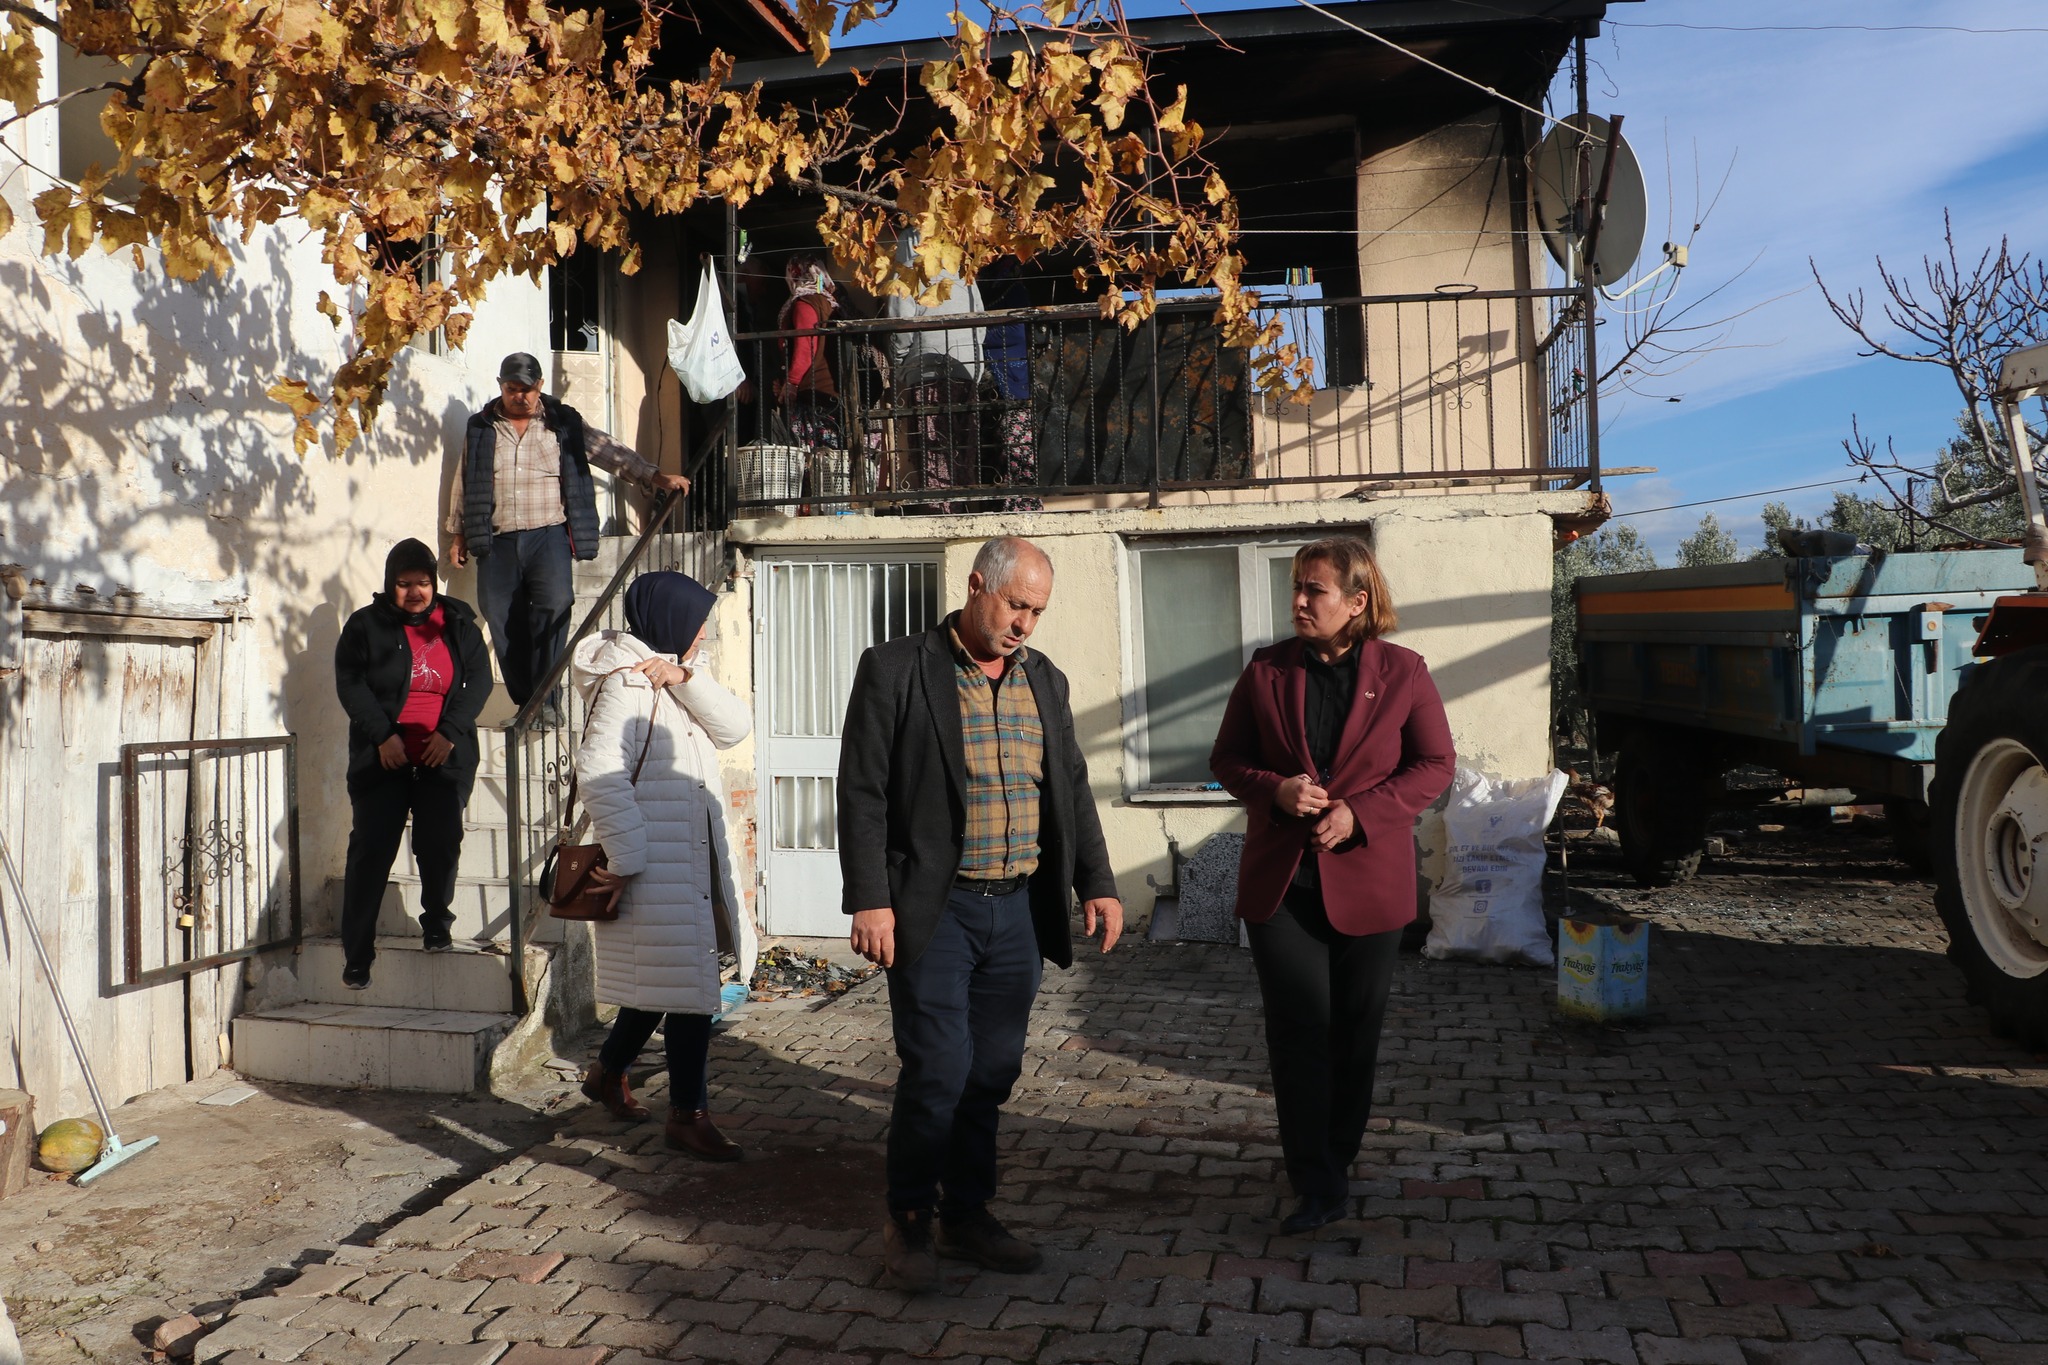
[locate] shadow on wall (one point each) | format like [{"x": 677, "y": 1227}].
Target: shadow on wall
[{"x": 143, "y": 455}]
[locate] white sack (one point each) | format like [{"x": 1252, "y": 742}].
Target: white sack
[{"x": 1488, "y": 904}]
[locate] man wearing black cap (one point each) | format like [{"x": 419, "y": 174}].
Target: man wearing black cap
[{"x": 524, "y": 505}]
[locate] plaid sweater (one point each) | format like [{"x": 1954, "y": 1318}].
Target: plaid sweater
[{"x": 1005, "y": 751}]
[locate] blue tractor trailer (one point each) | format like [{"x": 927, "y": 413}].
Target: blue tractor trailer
[{"x": 1916, "y": 679}]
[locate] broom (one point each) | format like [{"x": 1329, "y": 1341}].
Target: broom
[{"x": 113, "y": 1151}]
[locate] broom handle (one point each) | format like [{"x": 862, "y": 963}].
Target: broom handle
[{"x": 99, "y": 1104}]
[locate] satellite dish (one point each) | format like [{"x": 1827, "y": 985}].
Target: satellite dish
[{"x": 1557, "y": 168}]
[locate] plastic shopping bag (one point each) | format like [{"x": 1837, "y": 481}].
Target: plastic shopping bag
[
  {"x": 1489, "y": 903},
  {"x": 701, "y": 350}
]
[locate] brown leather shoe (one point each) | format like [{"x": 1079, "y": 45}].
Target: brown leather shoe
[
  {"x": 609, "y": 1089},
  {"x": 692, "y": 1131},
  {"x": 910, "y": 1261},
  {"x": 979, "y": 1238}
]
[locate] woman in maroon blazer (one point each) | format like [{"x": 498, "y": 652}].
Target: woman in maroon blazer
[{"x": 1334, "y": 741}]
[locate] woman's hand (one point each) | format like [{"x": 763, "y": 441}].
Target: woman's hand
[
  {"x": 1337, "y": 827},
  {"x": 439, "y": 747},
  {"x": 662, "y": 673},
  {"x": 607, "y": 880},
  {"x": 1300, "y": 796},
  {"x": 391, "y": 753}
]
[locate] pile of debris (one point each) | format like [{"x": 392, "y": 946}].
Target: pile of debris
[{"x": 782, "y": 972}]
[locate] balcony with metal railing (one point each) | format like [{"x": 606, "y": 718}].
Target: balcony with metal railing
[{"x": 1057, "y": 409}]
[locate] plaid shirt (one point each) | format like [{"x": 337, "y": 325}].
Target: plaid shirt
[
  {"x": 1005, "y": 743},
  {"x": 526, "y": 488}
]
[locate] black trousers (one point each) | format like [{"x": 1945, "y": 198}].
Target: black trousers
[
  {"x": 960, "y": 1014},
  {"x": 1326, "y": 995},
  {"x": 689, "y": 1045},
  {"x": 526, "y": 591},
  {"x": 383, "y": 800}
]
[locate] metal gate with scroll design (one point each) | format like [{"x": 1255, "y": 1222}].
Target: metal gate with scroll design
[{"x": 209, "y": 853}]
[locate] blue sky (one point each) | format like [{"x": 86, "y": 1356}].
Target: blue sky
[{"x": 1839, "y": 145}]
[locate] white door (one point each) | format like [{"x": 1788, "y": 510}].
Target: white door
[{"x": 817, "y": 616}]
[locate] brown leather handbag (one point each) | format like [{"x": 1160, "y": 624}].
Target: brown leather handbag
[{"x": 565, "y": 880}]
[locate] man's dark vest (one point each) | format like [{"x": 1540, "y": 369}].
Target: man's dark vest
[{"x": 480, "y": 471}]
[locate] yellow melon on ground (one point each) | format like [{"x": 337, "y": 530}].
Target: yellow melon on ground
[{"x": 70, "y": 1145}]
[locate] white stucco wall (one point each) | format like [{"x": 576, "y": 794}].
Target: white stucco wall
[
  {"x": 1470, "y": 574},
  {"x": 141, "y": 454}
]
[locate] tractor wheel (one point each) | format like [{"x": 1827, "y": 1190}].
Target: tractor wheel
[
  {"x": 1660, "y": 806},
  {"x": 1990, "y": 840}
]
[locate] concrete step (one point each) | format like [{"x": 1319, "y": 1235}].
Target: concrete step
[
  {"x": 482, "y": 911},
  {"x": 483, "y": 850},
  {"x": 442, "y": 1051},
  {"x": 469, "y": 977}
]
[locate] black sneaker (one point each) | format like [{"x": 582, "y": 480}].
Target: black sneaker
[
  {"x": 442, "y": 942},
  {"x": 356, "y": 978}
]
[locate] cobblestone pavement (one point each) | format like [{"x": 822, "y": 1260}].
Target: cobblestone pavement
[{"x": 1814, "y": 1152}]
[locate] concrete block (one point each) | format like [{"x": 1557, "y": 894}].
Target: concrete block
[
  {"x": 468, "y": 978},
  {"x": 439, "y": 1051},
  {"x": 17, "y": 1139}
]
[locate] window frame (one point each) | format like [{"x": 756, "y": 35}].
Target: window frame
[{"x": 1256, "y": 629}]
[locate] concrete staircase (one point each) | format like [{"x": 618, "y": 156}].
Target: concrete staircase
[{"x": 441, "y": 1022}]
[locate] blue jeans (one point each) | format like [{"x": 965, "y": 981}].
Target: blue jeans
[
  {"x": 525, "y": 588},
  {"x": 960, "y": 1012}
]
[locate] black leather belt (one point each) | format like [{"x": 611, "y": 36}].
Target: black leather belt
[{"x": 1003, "y": 886}]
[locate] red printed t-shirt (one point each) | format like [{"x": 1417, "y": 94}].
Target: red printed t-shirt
[{"x": 433, "y": 673}]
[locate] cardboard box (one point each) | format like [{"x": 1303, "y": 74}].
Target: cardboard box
[{"x": 1603, "y": 968}]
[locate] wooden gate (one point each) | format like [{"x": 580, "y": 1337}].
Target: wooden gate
[{"x": 89, "y": 683}]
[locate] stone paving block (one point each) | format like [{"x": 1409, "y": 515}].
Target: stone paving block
[
  {"x": 789, "y": 1324},
  {"x": 643, "y": 1334},
  {"x": 320, "y": 1279},
  {"x": 1170, "y": 1348},
  {"x": 1664, "y": 1350},
  {"x": 1327, "y": 1328},
  {"x": 1801, "y": 1353},
  {"x": 1072, "y": 1348},
  {"x": 436, "y": 1353},
  {"x": 705, "y": 1342},
  {"x": 542, "y": 1326},
  {"x": 435, "y": 1325},
  {"x": 1282, "y": 1327},
  {"x": 270, "y": 1340},
  {"x": 1610, "y": 1344},
  {"x": 431, "y": 1291},
  {"x": 527, "y": 1353},
  {"x": 344, "y": 1348},
  {"x": 539, "y": 1298},
  {"x": 498, "y": 1265},
  {"x": 364, "y": 1320}
]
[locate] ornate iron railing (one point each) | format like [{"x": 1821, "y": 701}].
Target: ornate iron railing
[
  {"x": 1036, "y": 407},
  {"x": 209, "y": 854}
]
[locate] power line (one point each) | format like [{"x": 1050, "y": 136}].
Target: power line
[
  {"x": 1824, "y": 28},
  {"x": 1439, "y": 66},
  {"x": 1738, "y": 497}
]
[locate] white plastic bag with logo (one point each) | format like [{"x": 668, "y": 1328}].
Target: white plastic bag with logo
[
  {"x": 700, "y": 351},
  {"x": 1489, "y": 903}
]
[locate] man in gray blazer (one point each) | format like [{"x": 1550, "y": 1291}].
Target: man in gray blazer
[{"x": 966, "y": 830}]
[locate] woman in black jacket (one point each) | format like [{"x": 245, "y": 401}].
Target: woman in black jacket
[{"x": 413, "y": 673}]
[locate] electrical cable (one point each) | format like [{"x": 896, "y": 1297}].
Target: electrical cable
[
  {"x": 1738, "y": 497},
  {"x": 1439, "y": 66},
  {"x": 1826, "y": 28}
]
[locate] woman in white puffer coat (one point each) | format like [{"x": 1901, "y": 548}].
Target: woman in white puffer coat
[{"x": 664, "y": 839}]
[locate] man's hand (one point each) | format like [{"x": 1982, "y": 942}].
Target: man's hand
[
  {"x": 1336, "y": 828},
  {"x": 1110, "y": 911},
  {"x": 1300, "y": 796},
  {"x": 439, "y": 747},
  {"x": 874, "y": 935},
  {"x": 458, "y": 551},
  {"x": 391, "y": 753},
  {"x": 671, "y": 483}
]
